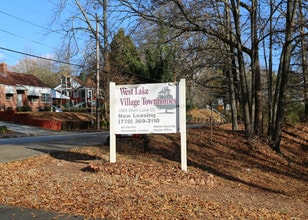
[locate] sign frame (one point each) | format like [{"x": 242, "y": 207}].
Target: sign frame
[{"x": 119, "y": 102}]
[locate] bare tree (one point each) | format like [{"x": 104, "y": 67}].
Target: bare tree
[
  {"x": 79, "y": 26},
  {"x": 304, "y": 54},
  {"x": 243, "y": 35},
  {"x": 231, "y": 30},
  {"x": 284, "y": 70},
  {"x": 47, "y": 71}
]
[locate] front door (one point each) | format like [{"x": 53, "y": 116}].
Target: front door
[{"x": 19, "y": 100}]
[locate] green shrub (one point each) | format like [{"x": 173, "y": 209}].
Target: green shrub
[
  {"x": 9, "y": 109},
  {"x": 189, "y": 118},
  {"x": 23, "y": 109},
  {"x": 3, "y": 130},
  {"x": 292, "y": 118},
  {"x": 105, "y": 124},
  {"x": 46, "y": 109},
  {"x": 190, "y": 105},
  {"x": 295, "y": 114}
]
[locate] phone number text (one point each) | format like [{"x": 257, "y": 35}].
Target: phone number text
[{"x": 138, "y": 121}]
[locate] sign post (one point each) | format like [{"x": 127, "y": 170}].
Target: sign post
[
  {"x": 148, "y": 108},
  {"x": 182, "y": 116},
  {"x": 112, "y": 137}
]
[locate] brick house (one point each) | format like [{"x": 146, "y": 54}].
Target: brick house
[{"x": 19, "y": 89}]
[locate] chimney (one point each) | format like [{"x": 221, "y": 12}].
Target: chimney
[{"x": 3, "y": 68}]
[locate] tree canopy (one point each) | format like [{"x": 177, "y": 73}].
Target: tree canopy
[{"x": 246, "y": 52}]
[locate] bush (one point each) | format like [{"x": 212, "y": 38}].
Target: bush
[
  {"x": 3, "y": 130},
  {"x": 104, "y": 124},
  {"x": 9, "y": 109},
  {"x": 295, "y": 114},
  {"x": 23, "y": 109},
  {"x": 190, "y": 105},
  {"x": 292, "y": 118},
  {"x": 45, "y": 109}
]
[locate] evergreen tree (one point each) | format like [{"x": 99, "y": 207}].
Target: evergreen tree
[
  {"x": 124, "y": 58},
  {"x": 160, "y": 58}
]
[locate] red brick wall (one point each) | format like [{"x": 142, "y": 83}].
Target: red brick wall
[{"x": 25, "y": 118}]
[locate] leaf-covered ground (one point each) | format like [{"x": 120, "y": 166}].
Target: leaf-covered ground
[{"x": 228, "y": 177}]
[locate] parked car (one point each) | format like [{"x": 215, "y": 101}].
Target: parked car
[{"x": 56, "y": 109}]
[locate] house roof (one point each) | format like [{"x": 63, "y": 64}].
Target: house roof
[
  {"x": 89, "y": 83},
  {"x": 15, "y": 79}
]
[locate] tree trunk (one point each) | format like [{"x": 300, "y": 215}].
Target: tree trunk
[
  {"x": 270, "y": 77},
  {"x": 258, "y": 97},
  {"x": 304, "y": 58},
  {"x": 231, "y": 72},
  {"x": 232, "y": 99},
  {"x": 243, "y": 81},
  {"x": 284, "y": 72}
]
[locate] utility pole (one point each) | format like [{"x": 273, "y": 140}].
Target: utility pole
[
  {"x": 97, "y": 76},
  {"x": 106, "y": 67}
]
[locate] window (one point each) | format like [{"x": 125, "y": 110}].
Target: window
[
  {"x": 32, "y": 98},
  {"x": 76, "y": 94},
  {"x": 9, "y": 96},
  {"x": 68, "y": 93},
  {"x": 62, "y": 80},
  {"x": 90, "y": 94},
  {"x": 20, "y": 91},
  {"x": 45, "y": 97},
  {"x": 68, "y": 81},
  {"x": 65, "y": 82}
]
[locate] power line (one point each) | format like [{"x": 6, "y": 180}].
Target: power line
[
  {"x": 28, "y": 22},
  {"x": 31, "y": 23},
  {"x": 16, "y": 35},
  {"x": 72, "y": 64},
  {"x": 39, "y": 57},
  {"x": 34, "y": 24}
]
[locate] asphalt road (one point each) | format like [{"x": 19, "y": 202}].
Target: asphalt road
[
  {"x": 18, "y": 213},
  {"x": 33, "y": 141}
]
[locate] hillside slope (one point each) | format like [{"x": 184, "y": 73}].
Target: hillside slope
[{"x": 227, "y": 178}]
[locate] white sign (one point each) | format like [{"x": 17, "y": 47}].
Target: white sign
[{"x": 146, "y": 108}]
